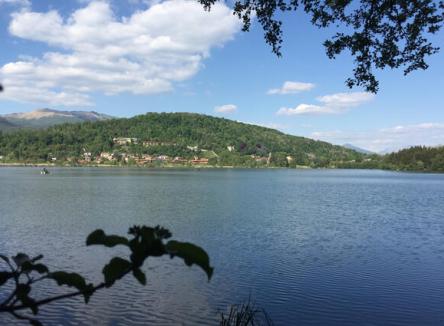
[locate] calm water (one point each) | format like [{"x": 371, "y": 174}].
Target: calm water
[{"x": 312, "y": 247}]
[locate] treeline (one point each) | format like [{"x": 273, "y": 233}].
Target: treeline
[
  {"x": 417, "y": 158},
  {"x": 230, "y": 142}
]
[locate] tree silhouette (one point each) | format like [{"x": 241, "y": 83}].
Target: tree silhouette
[
  {"x": 378, "y": 33},
  {"x": 24, "y": 272}
]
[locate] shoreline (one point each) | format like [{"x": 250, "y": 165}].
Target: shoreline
[
  {"x": 49, "y": 165},
  {"x": 199, "y": 167}
]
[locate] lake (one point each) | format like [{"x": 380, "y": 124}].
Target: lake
[{"x": 311, "y": 247}]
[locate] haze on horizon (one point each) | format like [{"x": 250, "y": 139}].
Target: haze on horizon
[{"x": 127, "y": 58}]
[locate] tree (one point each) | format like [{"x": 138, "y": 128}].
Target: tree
[
  {"x": 24, "y": 272},
  {"x": 378, "y": 33}
]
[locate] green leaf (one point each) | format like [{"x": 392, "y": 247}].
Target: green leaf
[
  {"x": 20, "y": 259},
  {"x": 4, "y": 277},
  {"x": 140, "y": 276},
  {"x": 88, "y": 292},
  {"x": 73, "y": 280},
  {"x": 69, "y": 279},
  {"x": 191, "y": 254},
  {"x": 138, "y": 254},
  {"x": 22, "y": 293},
  {"x": 98, "y": 237},
  {"x": 39, "y": 268},
  {"x": 116, "y": 269}
]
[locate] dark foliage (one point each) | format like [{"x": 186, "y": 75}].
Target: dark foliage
[
  {"x": 378, "y": 33},
  {"x": 24, "y": 272}
]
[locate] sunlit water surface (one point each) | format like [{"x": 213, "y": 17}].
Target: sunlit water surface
[{"x": 312, "y": 247}]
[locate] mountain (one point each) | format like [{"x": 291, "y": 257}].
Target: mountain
[
  {"x": 6, "y": 125},
  {"x": 358, "y": 149},
  {"x": 44, "y": 118},
  {"x": 186, "y": 135}
]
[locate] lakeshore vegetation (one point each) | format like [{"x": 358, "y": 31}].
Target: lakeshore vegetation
[{"x": 162, "y": 139}]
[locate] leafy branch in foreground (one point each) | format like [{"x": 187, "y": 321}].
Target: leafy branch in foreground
[{"x": 24, "y": 272}]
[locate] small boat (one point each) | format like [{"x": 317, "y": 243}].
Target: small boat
[{"x": 44, "y": 171}]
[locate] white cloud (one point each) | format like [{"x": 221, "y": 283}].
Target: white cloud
[
  {"x": 303, "y": 109},
  {"x": 290, "y": 87},
  {"x": 227, "y": 108},
  {"x": 345, "y": 100},
  {"x": 330, "y": 104},
  {"x": 145, "y": 53},
  {"x": 388, "y": 139}
]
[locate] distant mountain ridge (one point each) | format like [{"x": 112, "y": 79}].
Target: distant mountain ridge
[
  {"x": 357, "y": 149},
  {"x": 44, "y": 118}
]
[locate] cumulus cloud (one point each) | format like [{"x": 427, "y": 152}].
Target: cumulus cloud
[
  {"x": 227, "y": 108},
  {"x": 388, "y": 139},
  {"x": 345, "y": 100},
  {"x": 302, "y": 109},
  {"x": 290, "y": 87},
  {"x": 330, "y": 104},
  {"x": 145, "y": 53}
]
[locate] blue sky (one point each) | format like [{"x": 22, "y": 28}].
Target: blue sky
[{"x": 129, "y": 57}]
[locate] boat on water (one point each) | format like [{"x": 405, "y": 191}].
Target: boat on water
[{"x": 44, "y": 171}]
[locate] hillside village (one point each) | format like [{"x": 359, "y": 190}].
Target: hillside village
[{"x": 122, "y": 156}]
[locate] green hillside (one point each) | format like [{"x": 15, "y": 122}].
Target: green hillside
[
  {"x": 222, "y": 141},
  {"x": 6, "y": 125},
  {"x": 417, "y": 158}
]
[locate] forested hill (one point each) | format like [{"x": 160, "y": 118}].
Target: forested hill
[
  {"x": 224, "y": 142},
  {"x": 418, "y": 158}
]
